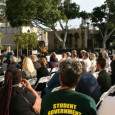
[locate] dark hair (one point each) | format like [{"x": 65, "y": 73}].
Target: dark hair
[
  {"x": 86, "y": 54},
  {"x": 53, "y": 58},
  {"x": 113, "y": 66},
  {"x": 22, "y": 57},
  {"x": 100, "y": 55},
  {"x": 12, "y": 77},
  {"x": 101, "y": 62},
  {"x": 83, "y": 66},
  {"x": 15, "y": 73},
  {"x": 39, "y": 55},
  {"x": 70, "y": 71}
]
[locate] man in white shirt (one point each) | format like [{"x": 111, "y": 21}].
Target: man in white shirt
[{"x": 87, "y": 61}]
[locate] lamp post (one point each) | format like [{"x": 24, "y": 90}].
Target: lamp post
[
  {"x": 88, "y": 37},
  {"x": 28, "y": 31}
]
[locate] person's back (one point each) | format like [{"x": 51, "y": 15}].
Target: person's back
[
  {"x": 87, "y": 61},
  {"x": 28, "y": 68},
  {"x": 16, "y": 100},
  {"x": 18, "y": 105},
  {"x": 104, "y": 79},
  {"x": 88, "y": 85},
  {"x": 67, "y": 102},
  {"x": 53, "y": 83},
  {"x": 36, "y": 65},
  {"x": 35, "y": 61},
  {"x": 42, "y": 72},
  {"x": 15, "y": 64}
]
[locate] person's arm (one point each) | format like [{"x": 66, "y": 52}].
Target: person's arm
[
  {"x": 37, "y": 104},
  {"x": 12, "y": 52}
]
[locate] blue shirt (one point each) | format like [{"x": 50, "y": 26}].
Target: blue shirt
[{"x": 89, "y": 86}]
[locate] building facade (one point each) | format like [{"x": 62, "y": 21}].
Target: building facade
[
  {"x": 8, "y": 34},
  {"x": 77, "y": 38}
]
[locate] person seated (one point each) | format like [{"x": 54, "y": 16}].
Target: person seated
[
  {"x": 14, "y": 63},
  {"x": 28, "y": 69},
  {"x": 88, "y": 84},
  {"x": 92, "y": 69},
  {"x": 113, "y": 72},
  {"x": 67, "y": 100},
  {"x": 113, "y": 56},
  {"x": 96, "y": 55},
  {"x": 74, "y": 55},
  {"x": 87, "y": 61},
  {"x": 104, "y": 79},
  {"x": 35, "y": 61},
  {"x": 82, "y": 53},
  {"x": 64, "y": 57},
  {"x": 68, "y": 55},
  {"x": 53, "y": 83},
  {"x": 16, "y": 100},
  {"x": 53, "y": 62},
  {"x": 22, "y": 58},
  {"x": 108, "y": 61},
  {"x": 39, "y": 56},
  {"x": 41, "y": 72},
  {"x": 3, "y": 67}
]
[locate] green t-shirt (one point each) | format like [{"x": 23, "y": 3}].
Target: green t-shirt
[
  {"x": 67, "y": 102},
  {"x": 104, "y": 81}
]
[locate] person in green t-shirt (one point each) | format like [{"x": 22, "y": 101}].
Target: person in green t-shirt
[
  {"x": 104, "y": 79},
  {"x": 67, "y": 101}
]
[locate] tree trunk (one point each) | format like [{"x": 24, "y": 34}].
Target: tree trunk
[
  {"x": 104, "y": 43},
  {"x": 17, "y": 51},
  {"x": 63, "y": 45},
  {"x": 27, "y": 50},
  {"x": 21, "y": 51}
]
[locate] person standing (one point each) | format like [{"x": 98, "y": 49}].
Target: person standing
[{"x": 10, "y": 53}]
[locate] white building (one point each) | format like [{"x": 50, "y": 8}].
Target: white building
[{"x": 8, "y": 34}]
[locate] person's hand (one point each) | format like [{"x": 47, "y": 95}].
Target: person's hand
[{"x": 26, "y": 84}]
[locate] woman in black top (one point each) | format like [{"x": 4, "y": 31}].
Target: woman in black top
[
  {"x": 12, "y": 102},
  {"x": 41, "y": 72}
]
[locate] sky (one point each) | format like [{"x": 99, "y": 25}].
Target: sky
[{"x": 86, "y": 5}]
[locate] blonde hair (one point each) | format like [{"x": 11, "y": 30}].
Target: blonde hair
[
  {"x": 28, "y": 65},
  {"x": 105, "y": 55}
]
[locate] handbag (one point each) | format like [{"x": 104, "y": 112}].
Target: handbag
[{"x": 28, "y": 103}]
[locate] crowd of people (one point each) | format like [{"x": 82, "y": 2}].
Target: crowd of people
[{"x": 80, "y": 80}]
